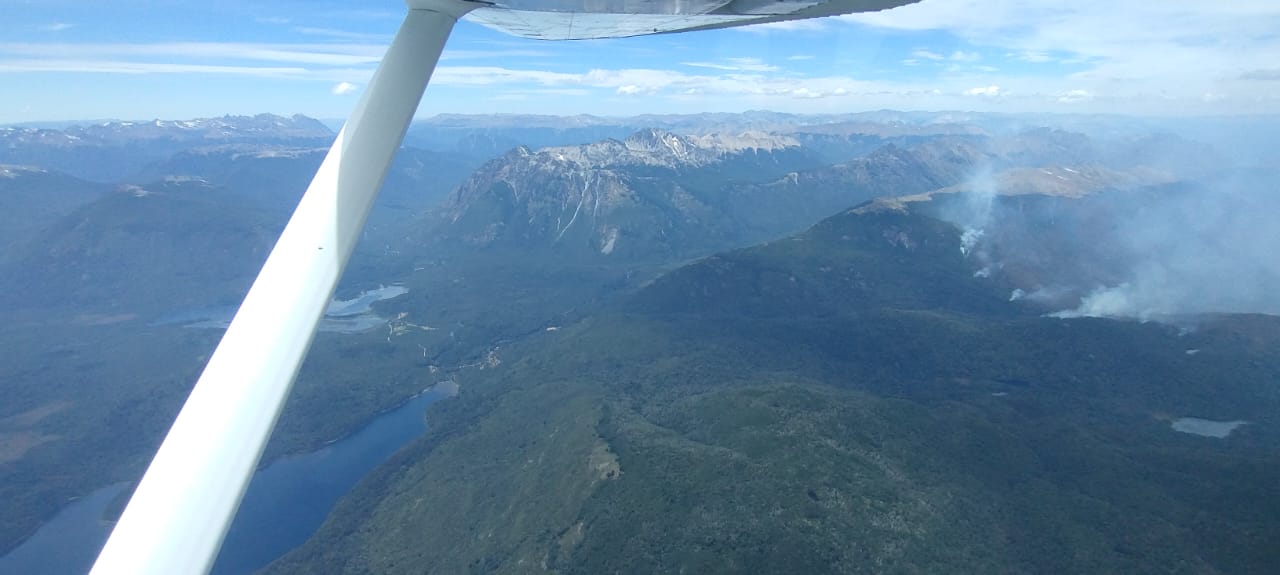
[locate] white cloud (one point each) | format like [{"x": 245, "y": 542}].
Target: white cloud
[
  {"x": 1035, "y": 57},
  {"x": 167, "y": 52},
  {"x": 343, "y": 88},
  {"x": 489, "y": 75},
  {"x": 736, "y": 64},
  {"x": 483, "y": 54},
  {"x": 1129, "y": 49},
  {"x": 810, "y": 94},
  {"x": 339, "y": 34},
  {"x": 562, "y": 92},
  {"x": 57, "y": 27},
  {"x": 1174, "y": 57},
  {"x": 125, "y": 67},
  {"x": 1073, "y": 96},
  {"x": 711, "y": 65},
  {"x": 539, "y": 93},
  {"x": 983, "y": 91},
  {"x": 777, "y": 91},
  {"x": 956, "y": 56}
]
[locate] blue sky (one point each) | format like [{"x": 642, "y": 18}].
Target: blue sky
[{"x": 142, "y": 59}]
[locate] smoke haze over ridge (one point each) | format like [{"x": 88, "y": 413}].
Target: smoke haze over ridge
[{"x": 1206, "y": 246}]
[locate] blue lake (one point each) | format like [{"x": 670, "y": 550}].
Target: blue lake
[
  {"x": 286, "y": 502},
  {"x": 342, "y": 316}
]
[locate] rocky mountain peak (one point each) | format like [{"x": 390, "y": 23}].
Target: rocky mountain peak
[
  {"x": 753, "y": 140},
  {"x": 113, "y": 150},
  {"x": 648, "y": 147},
  {"x": 660, "y": 148},
  {"x": 16, "y": 171},
  {"x": 609, "y": 194},
  {"x": 225, "y": 127},
  {"x": 655, "y": 141}
]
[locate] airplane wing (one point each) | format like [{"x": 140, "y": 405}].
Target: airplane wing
[
  {"x": 587, "y": 19},
  {"x": 178, "y": 516}
]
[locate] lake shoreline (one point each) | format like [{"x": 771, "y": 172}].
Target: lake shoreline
[{"x": 310, "y": 481}]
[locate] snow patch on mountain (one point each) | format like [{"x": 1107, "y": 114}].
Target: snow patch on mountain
[
  {"x": 13, "y": 172},
  {"x": 659, "y": 148}
]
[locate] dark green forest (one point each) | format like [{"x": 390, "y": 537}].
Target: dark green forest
[{"x": 849, "y": 400}]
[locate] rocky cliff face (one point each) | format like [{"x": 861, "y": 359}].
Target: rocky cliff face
[
  {"x": 644, "y": 191},
  {"x": 656, "y": 191}
]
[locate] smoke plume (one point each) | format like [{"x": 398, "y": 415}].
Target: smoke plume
[
  {"x": 1211, "y": 249},
  {"x": 1188, "y": 248}
]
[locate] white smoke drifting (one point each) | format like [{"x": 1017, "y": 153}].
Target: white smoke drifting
[
  {"x": 1213, "y": 251},
  {"x": 1203, "y": 247},
  {"x": 974, "y": 212}
]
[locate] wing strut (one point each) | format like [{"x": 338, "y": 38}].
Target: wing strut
[{"x": 177, "y": 518}]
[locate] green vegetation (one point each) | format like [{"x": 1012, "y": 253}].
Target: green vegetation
[
  {"x": 33, "y": 199},
  {"x": 763, "y": 423},
  {"x": 112, "y": 380},
  {"x": 93, "y": 374},
  {"x": 98, "y": 397},
  {"x": 850, "y": 399}
]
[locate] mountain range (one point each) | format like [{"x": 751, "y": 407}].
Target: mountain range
[
  {"x": 113, "y": 150},
  {"x": 689, "y": 363},
  {"x": 656, "y": 190},
  {"x": 850, "y": 399}
]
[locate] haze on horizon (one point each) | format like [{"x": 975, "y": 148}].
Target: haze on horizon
[
  {"x": 547, "y": 279},
  {"x": 65, "y": 60}
]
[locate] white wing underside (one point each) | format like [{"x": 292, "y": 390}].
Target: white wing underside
[
  {"x": 590, "y": 19},
  {"x": 176, "y": 519}
]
